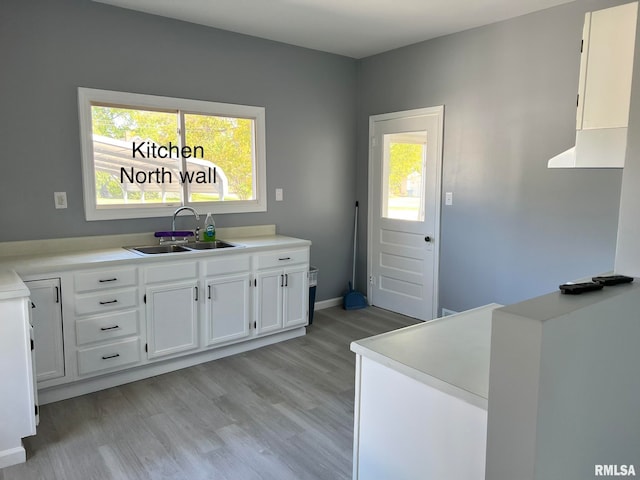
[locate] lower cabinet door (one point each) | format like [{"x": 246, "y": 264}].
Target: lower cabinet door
[
  {"x": 269, "y": 301},
  {"x": 107, "y": 357},
  {"x": 46, "y": 316},
  {"x": 172, "y": 318},
  {"x": 295, "y": 296},
  {"x": 227, "y": 303}
]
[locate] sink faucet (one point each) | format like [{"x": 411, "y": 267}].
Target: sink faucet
[{"x": 175, "y": 214}]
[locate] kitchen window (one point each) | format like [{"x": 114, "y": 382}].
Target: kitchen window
[{"x": 145, "y": 155}]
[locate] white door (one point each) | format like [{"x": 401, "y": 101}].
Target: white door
[{"x": 405, "y": 163}]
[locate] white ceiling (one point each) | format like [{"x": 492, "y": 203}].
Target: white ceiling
[{"x": 355, "y": 28}]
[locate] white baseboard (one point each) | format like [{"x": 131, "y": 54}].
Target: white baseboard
[
  {"x": 12, "y": 456},
  {"x": 332, "y": 302},
  {"x": 446, "y": 312}
]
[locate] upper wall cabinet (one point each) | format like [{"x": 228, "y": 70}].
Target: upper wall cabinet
[{"x": 604, "y": 90}]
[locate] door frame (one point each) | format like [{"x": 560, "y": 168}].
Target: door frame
[{"x": 417, "y": 112}]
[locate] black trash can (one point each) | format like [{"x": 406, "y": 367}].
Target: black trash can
[{"x": 313, "y": 283}]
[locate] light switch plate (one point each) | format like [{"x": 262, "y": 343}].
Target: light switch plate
[
  {"x": 278, "y": 194},
  {"x": 60, "y": 199},
  {"x": 448, "y": 198}
]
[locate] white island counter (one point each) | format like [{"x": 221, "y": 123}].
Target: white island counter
[
  {"x": 17, "y": 393},
  {"x": 421, "y": 399}
]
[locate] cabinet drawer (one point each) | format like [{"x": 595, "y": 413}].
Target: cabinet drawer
[
  {"x": 233, "y": 264},
  {"x": 106, "y": 357},
  {"x": 102, "y": 279},
  {"x": 107, "y": 327},
  {"x": 106, "y": 301},
  {"x": 171, "y": 271},
  {"x": 280, "y": 259}
]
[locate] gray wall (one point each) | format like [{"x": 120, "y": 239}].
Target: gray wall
[
  {"x": 516, "y": 229},
  {"x": 48, "y": 49}
]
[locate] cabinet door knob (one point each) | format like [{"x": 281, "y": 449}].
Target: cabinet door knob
[{"x": 427, "y": 239}]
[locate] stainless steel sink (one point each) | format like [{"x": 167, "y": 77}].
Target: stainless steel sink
[
  {"x": 209, "y": 245},
  {"x": 186, "y": 247},
  {"x": 155, "y": 249}
]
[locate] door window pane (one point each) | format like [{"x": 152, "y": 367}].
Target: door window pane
[{"x": 403, "y": 176}]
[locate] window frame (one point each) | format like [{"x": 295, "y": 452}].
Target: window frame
[{"x": 89, "y": 96}]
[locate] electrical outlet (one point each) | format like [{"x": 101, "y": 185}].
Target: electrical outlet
[
  {"x": 448, "y": 198},
  {"x": 60, "y": 199},
  {"x": 279, "y": 194}
]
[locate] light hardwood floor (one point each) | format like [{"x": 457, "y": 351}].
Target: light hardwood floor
[{"x": 280, "y": 412}]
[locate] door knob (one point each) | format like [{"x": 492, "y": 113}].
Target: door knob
[{"x": 427, "y": 239}]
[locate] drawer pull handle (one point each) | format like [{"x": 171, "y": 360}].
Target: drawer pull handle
[
  {"x": 110, "y": 301},
  {"x": 108, "y": 280},
  {"x": 107, "y": 357},
  {"x": 285, "y": 258},
  {"x": 104, "y": 329}
]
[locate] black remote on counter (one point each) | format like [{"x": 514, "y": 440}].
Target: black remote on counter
[
  {"x": 578, "y": 288},
  {"x": 609, "y": 280}
]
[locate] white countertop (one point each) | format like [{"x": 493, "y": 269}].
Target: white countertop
[
  {"x": 11, "y": 286},
  {"x": 451, "y": 353},
  {"x": 56, "y": 262}
]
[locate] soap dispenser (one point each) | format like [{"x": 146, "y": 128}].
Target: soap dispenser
[{"x": 209, "y": 233}]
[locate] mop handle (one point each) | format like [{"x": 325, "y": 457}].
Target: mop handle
[{"x": 355, "y": 239}]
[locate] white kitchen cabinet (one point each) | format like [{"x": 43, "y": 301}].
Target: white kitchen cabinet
[
  {"x": 101, "y": 328},
  {"x": 269, "y": 300},
  {"x": 18, "y": 408},
  {"x": 172, "y": 296},
  {"x": 604, "y": 90},
  {"x": 227, "y": 299},
  {"x": 109, "y": 356},
  {"x": 295, "y": 299},
  {"x": 126, "y": 317},
  {"x": 172, "y": 318},
  {"x": 281, "y": 297},
  {"x": 105, "y": 278},
  {"x": 228, "y": 304},
  {"x": 106, "y": 309},
  {"x": 46, "y": 317},
  {"x": 606, "y": 67}
]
